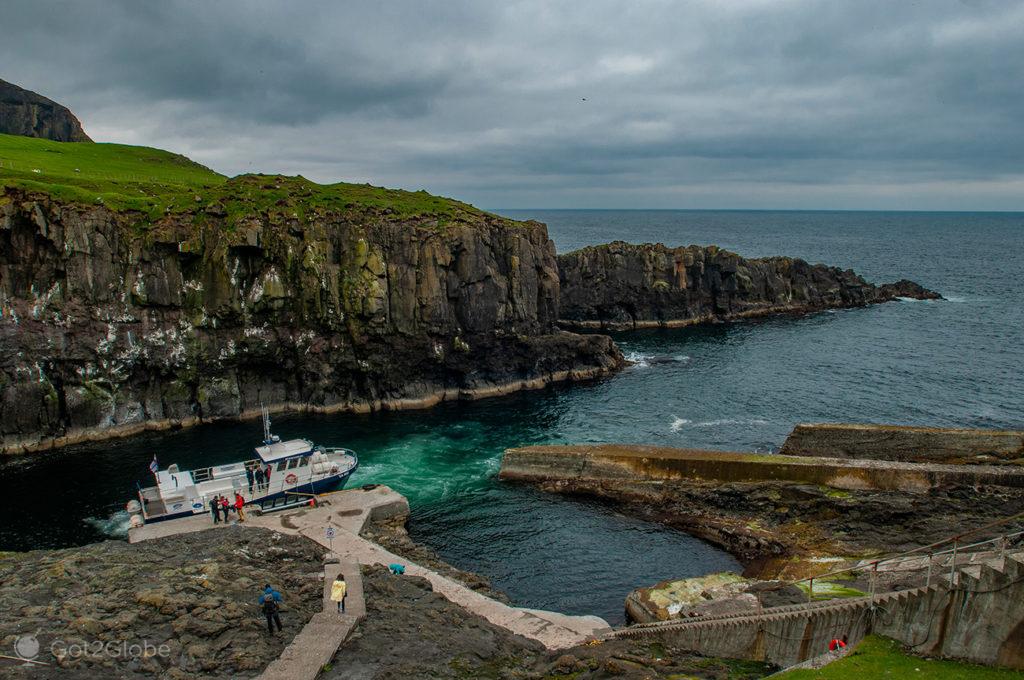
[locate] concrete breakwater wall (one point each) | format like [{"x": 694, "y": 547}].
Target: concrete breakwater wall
[
  {"x": 904, "y": 443},
  {"x": 627, "y": 462}
]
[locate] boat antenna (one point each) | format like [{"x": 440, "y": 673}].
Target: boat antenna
[{"x": 266, "y": 424}]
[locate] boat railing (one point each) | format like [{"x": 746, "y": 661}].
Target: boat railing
[{"x": 206, "y": 474}]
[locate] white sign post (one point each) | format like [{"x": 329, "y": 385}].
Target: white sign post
[{"x": 330, "y": 533}]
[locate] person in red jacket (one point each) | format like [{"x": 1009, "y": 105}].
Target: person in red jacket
[
  {"x": 225, "y": 507},
  {"x": 239, "y": 504}
]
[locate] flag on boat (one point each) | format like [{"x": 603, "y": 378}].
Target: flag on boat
[{"x": 153, "y": 467}]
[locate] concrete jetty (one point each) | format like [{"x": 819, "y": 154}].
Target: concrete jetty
[
  {"x": 347, "y": 512},
  {"x": 906, "y": 443},
  {"x": 623, "y": 462}
]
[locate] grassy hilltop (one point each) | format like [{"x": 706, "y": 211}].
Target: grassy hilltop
[{"x": 156, "y": 182}]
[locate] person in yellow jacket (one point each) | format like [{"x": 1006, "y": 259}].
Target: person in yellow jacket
[{"x": 338, "y": 592}]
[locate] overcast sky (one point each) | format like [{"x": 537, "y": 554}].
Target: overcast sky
[{"x": 732, "y": 104}]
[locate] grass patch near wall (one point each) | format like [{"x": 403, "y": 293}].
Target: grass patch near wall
[{"x": 877, "y": 657}]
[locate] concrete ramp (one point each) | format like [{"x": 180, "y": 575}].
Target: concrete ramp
[
  {"x": 349, "y": 511},
  {"x": 320, "y": 638}
]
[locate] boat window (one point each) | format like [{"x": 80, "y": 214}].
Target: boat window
[
  {"x": 282, "y": 465},
  {"x": 304, "y": 461},
  {"x": 293, "y": 463}
]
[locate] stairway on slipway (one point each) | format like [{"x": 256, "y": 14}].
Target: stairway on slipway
[{"x": 776, "y": 635}]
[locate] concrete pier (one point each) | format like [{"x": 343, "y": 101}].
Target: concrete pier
[
  {"x": 347, "y": 512},
  {"x": 624, "y": 462}
]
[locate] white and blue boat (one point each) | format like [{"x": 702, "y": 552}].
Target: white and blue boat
[{"x": 299, "y": 470}]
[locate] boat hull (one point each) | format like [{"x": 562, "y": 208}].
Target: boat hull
[{"x": 319, "y": 486}]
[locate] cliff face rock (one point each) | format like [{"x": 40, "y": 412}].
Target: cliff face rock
[
  {"x": 907, "y": 444},
  {"x": 621, "y": 285},
  {"x": 23, "y": 112},
  {"x": 111, "y": 323}
]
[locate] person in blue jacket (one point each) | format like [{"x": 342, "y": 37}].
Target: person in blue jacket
[{"x": 269, "y": 603}]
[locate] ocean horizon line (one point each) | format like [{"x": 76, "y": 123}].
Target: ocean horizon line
[{"x": 765, "y": 210}]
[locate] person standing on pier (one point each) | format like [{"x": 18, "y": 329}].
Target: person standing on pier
[
  {"x": 215, "y": 509},
  {"x": 339, "y": 591},
  {"x": 225, "y": 507},
  {"x": 239, "y": 505}
]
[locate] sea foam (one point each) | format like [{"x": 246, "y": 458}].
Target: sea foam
[{"x": 115, "y": 526}]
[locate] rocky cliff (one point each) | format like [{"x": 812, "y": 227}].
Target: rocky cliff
[
  {"x": 116, "y": 321},
  {"x": 23, "y": 112},
  {"x": 621, "y": 285}
]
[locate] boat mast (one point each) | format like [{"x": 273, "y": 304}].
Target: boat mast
[{"x": 266, "y": 425}]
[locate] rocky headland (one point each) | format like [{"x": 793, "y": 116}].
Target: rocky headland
[
  {"x": 267, "y": 290},
  {"x": 23, "y": 112},
  {"x": 621, "y": 286},
  {"x": 140, "y": 290}
]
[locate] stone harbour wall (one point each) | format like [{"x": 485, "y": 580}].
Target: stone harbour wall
[{"x": 903, "y": 443}]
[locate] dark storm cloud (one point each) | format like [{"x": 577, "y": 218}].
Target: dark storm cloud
[{"x": 791, "y": 103}]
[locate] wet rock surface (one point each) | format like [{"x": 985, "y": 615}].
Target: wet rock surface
[
  {"x": 411, "y": 632},
  {"x": 767, "y": 524},
  {"x": 903, "y": 443},
  {"x": 181, "y": 607},
  {"x": 621, "y": 285},
  {"x": 113, "y": 322}
]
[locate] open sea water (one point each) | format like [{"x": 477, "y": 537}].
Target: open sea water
[{"x": 736, "y": 386}]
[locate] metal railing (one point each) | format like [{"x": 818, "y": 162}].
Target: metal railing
[
  {"x": 278, "y": 481},
  {"x": 929, "y": 550},
  {"x": 956, "y": 547}
]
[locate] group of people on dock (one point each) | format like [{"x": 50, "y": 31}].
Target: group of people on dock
[
  {"x": 258, "y": 476},
  {"x": 221, "y": 507}
]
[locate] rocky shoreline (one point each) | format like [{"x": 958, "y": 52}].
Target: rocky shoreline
[
  {"x": 113, "y": 323},
  {"x": 623, "y": 286},
  {"x": 183, "y": 607},
  {"x": 767, "y": 512},
  {"x": 82, "y": 435}
]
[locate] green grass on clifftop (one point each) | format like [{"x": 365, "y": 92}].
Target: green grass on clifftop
[
  {"x": 878, "y": 657},
  {"x": 155, "y": 182}
]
